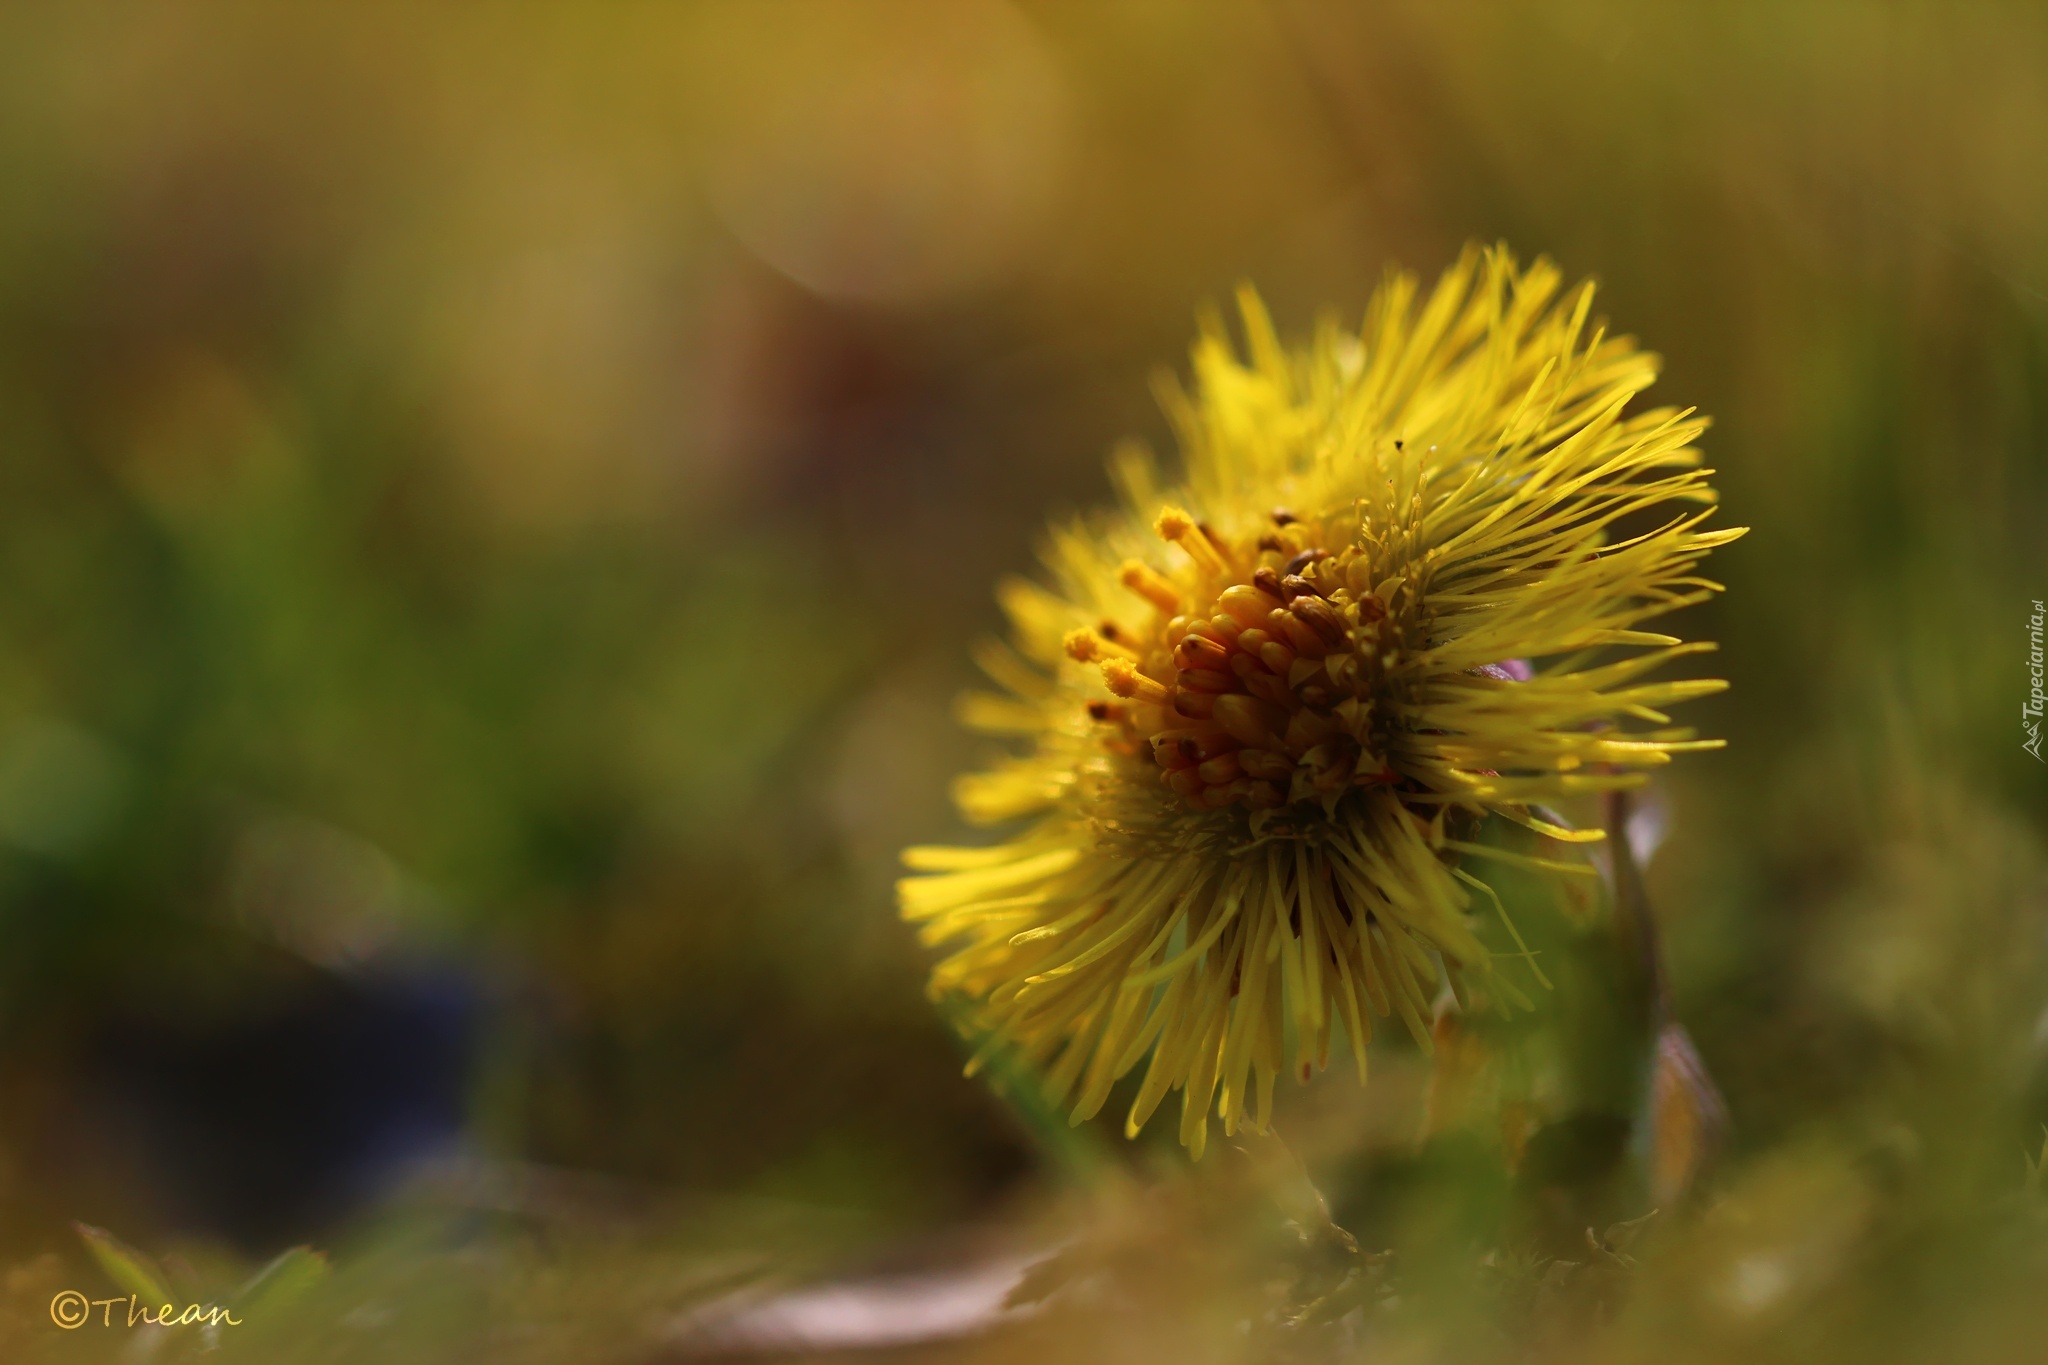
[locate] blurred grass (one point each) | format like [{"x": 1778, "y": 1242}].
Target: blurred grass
[{"x": 512, "y": 490}]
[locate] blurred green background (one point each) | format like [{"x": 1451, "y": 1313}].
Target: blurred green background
[{"x": 494, "y": 502}]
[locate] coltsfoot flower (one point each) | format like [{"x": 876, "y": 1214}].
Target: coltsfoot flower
[{"x": 1264, "y": 710}]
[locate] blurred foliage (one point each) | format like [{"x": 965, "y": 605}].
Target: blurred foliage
[{"x": 493, "y": 505}]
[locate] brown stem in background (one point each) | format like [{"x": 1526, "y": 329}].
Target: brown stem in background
[
  {"x": 1687, "y": 1118},
  {"x": 1634, "y": 926}
]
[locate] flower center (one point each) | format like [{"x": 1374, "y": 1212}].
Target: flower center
[{"x": 1269, "y": 696}]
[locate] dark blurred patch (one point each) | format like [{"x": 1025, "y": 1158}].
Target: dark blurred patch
[{"x": 269, "y": 1122}]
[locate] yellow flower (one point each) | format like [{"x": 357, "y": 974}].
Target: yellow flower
[{"x": 1263, "y": 711}]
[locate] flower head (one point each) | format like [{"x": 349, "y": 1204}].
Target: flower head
[{"x": 1264, "y": 710}]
